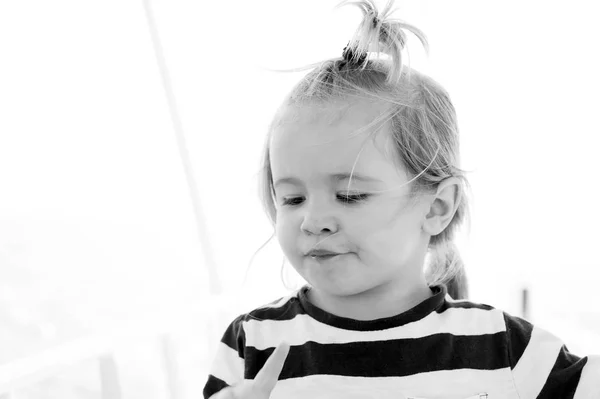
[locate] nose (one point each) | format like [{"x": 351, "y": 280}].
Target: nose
[{"x": 319, "y": 221}]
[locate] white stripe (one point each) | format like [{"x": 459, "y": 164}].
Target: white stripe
[
  {"x": 534, "y": 366},
  {"x": 462, "y": 383},
  {"x": 302, "y": 328},
  {"x": 589, "y": 383},
  {"x": 228, "y": 365}
]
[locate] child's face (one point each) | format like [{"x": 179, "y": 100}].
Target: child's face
[{"x": 378, "y": 236}]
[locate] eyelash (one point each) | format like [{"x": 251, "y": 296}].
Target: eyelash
[{"x": 347, "y": 199}]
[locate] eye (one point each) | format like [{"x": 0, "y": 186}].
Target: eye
[
  {"x": 292, "y": 201},
  {"x": 346, "y": 198},
  {"x": 352, "y": 198}
]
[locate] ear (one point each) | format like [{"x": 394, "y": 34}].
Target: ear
[{"x": 443, "y": 206}]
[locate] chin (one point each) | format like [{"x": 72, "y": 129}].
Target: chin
[{"x": 341, "y": 288}]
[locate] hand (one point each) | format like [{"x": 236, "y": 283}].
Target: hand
[{"x": 264, "y": 382}]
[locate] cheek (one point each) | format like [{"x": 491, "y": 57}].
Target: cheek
[
  {"x": 380, "y": 221},
  {"x": 384, "y": 232},
  {"x": 285, "y": 231}
]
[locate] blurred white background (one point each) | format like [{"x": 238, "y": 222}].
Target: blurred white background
[{"x": 97, "y": 224}]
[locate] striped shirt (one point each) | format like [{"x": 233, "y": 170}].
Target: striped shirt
[{"x": 441, "y": 348}]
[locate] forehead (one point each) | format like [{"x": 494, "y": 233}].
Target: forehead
[{"x": 314, "y": 140}]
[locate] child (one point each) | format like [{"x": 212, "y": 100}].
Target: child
[{"x": 362, "y": 182}]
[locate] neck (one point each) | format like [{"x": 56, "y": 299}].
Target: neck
[{"x": 383, "y": 301}]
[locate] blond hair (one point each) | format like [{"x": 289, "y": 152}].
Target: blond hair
[{"x": 421, "y": 116}]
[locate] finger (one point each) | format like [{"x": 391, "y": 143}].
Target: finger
[{"x": 267, "y": 377}]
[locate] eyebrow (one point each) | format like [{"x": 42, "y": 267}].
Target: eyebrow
[{"x": 336, "y": 177}]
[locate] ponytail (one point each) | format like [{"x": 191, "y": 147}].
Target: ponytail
[
  {"x": 458, "y": 286},
  {"x": 446, "y": 267},
  {"x": 380, "y": 34}
]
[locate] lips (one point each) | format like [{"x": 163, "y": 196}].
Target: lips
[{"x": 322, "y": 253}]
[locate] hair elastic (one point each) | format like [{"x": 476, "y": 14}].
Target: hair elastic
[{"x": 348, "y": 54}]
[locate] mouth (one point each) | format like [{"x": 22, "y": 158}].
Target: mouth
[
  {"x": 329, "y": 256},
  {"x": 323, "y": 254}
]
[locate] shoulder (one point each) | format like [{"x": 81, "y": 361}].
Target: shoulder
[
  {"x": 279, "y": 310},
  {"x": 257, "y": 332},
  {"x": 470, "y": 318},
  {"x": 542, "y": 365},
  {"x": 518, "y": 332},
  {"x": 241, "y": 345}
]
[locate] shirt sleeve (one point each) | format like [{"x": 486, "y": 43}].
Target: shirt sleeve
[
  {"x": 228, "y": 366},
  {"x": 543, "y": 368}
]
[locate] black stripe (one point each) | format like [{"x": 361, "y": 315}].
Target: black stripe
[
  {"x": 400, "y": 357},
  {"x": 564, "y": 377},
  {"x": 213, "y": 385},
  {"x": 293, "y": 308},
  {"x": 235, "y": 336},
  {"x": 518, "y": 333},
  {"x": 462, "y": 305},
  {"x": 288, "y": 311},
  {"x": 415, "y": 314}
]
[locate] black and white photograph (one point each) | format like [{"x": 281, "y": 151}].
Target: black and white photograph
[{"x": 293, "y": 199}]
